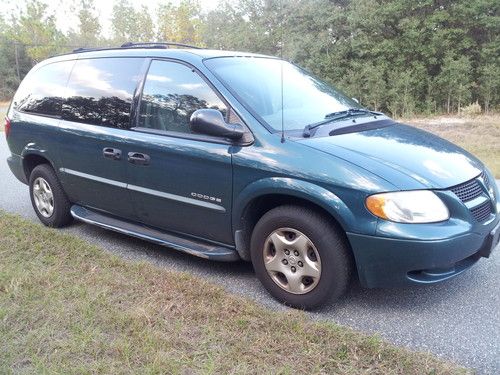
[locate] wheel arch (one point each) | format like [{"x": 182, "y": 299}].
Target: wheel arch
[
  {"x": 33, "y": 159},
  {"x": 263, "y": 195}
]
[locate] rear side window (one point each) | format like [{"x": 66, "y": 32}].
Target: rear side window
[
  {"x": 100, "y": 91},
  {"x": 42, "y": 91},
  {"x": 172, "y": 92}
]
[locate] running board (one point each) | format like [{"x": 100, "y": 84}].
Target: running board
[{"x": 197, "y": 248}]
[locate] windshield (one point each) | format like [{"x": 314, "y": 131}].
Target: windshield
[{"x": 257, "y": 82}]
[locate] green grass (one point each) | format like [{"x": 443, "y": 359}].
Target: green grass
[
  {"x": 70, "y": 307},
  {"x": 479, "y": 135}
]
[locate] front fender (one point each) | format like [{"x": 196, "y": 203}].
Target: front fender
[{"x": 296, "y": 188}]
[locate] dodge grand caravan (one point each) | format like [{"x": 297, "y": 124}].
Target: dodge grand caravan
[{"x": 230, "y": 156}]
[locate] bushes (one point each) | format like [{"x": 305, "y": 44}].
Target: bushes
[
  {"x": 472, "y": 109},
  {"x": 399, "y": 56}
]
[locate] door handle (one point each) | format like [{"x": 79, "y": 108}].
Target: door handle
[
  {"x": 138, "y": 158},
  {"x": 112, "y": 153}
]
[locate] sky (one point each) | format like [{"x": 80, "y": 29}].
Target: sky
[{"x": 67, "y": 20}]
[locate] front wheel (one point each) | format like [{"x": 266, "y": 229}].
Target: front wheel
[{"x": 300, "y": 257}]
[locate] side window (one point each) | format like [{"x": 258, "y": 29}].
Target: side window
[
  {"x": 172, "y": 92},
  {"x": 42, "y": 90},
  {"x": 100, "y": 91}
]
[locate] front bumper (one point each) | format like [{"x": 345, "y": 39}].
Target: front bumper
[{"x": 385, "y": 261}]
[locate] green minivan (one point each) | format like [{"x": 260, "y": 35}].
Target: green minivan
[{"x": 236, "y": 156}]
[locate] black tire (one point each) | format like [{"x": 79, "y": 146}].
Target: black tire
[
  {"x": 61, "y": 215},
  {"x": 328, "y": 240}
]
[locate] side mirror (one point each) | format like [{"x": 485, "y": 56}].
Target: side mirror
[{"x": 211, "y": 122}]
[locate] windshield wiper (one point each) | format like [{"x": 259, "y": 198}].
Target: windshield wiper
[{"x": 338, "y": 116}]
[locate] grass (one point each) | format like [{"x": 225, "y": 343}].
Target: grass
[
  {"x": 69, "y": 307},
  {"x": 479, "y": 135}
]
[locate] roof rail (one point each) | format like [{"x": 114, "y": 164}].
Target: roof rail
[
  {"x": 83, "y": 49},
  {"x": 89, "y": 49},
  {"x": 137, "y": 45},
  {"x": 157, "y": 45}
]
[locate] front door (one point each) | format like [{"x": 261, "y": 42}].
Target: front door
[{"x": 179, "y": 181}]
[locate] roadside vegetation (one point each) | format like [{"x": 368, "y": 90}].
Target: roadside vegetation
[
  {"x": 397, "y": 56},
  {"x": 480, "y": 135},
  {"x": 70, "y": 307}
]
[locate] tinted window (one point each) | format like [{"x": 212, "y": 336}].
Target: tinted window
[
  {"x": 172, "y": 92},
  {"x": 100, "y": 91},
  {"x": 43, "y": 89}
]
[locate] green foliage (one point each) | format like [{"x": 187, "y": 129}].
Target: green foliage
[
  {"x": 181, "y": 23},
  {"x": 393, "y": 55},
  {"x": 36, "y": 30},
  {"x": 455, "y": 81},
  {"x": 489, "y": 88},
  {"x": 403, "y": 57},
  {"x": 88, "y": 32},
  {"x": 129, "y": 24}
]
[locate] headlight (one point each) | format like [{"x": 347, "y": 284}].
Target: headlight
[{"x": 418, "y": 206}]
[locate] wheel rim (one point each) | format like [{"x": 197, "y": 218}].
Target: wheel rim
[
  {"x": 43, "y": 197},
  {"x": 292, "y": 261}
]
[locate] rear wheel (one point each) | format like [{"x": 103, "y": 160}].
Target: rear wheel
[
  {"x": 48, "y": 197},
  {"x": 300, "y": 257}
]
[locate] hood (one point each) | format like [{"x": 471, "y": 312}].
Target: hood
[{"x": 407, "y": 157}]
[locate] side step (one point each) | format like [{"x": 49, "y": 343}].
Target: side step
[{"x": 197, "y": 248}]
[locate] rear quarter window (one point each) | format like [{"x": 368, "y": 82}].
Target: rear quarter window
[
  {"x": 42, "y": 91},
  {"x": 100, "y": 91}
]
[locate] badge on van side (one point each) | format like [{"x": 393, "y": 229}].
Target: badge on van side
[{"x": 206, "y": 197}]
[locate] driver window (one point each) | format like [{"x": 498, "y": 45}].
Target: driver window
[{"x": 172, "y": 92}]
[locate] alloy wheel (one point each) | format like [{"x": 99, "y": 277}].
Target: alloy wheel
[{"x": 43, "y": 197}]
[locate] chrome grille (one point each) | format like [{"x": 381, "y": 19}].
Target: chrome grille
[{"x": 482, "y": 212}]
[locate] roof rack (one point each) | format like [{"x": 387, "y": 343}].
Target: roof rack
[
  {"x": 138, "y": 45},
  {"x": 157, "y": 45}
]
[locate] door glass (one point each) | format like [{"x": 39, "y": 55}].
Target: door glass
[
  {"x": 100, "y": 91},
  {"x": 172, "y": 92}
]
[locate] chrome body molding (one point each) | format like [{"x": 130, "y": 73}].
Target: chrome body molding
[
  {"x": 94, "y": 178},
  {"x": 174, "y": 197},
  {"x": 177, "y": 198}
]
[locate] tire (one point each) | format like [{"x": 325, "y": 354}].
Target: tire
[
  {"x": 46, "y": 192},
  {"x": 320, "y": 246}
]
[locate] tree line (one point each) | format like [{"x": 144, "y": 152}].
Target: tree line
[{"x": 398, "y": 56}]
